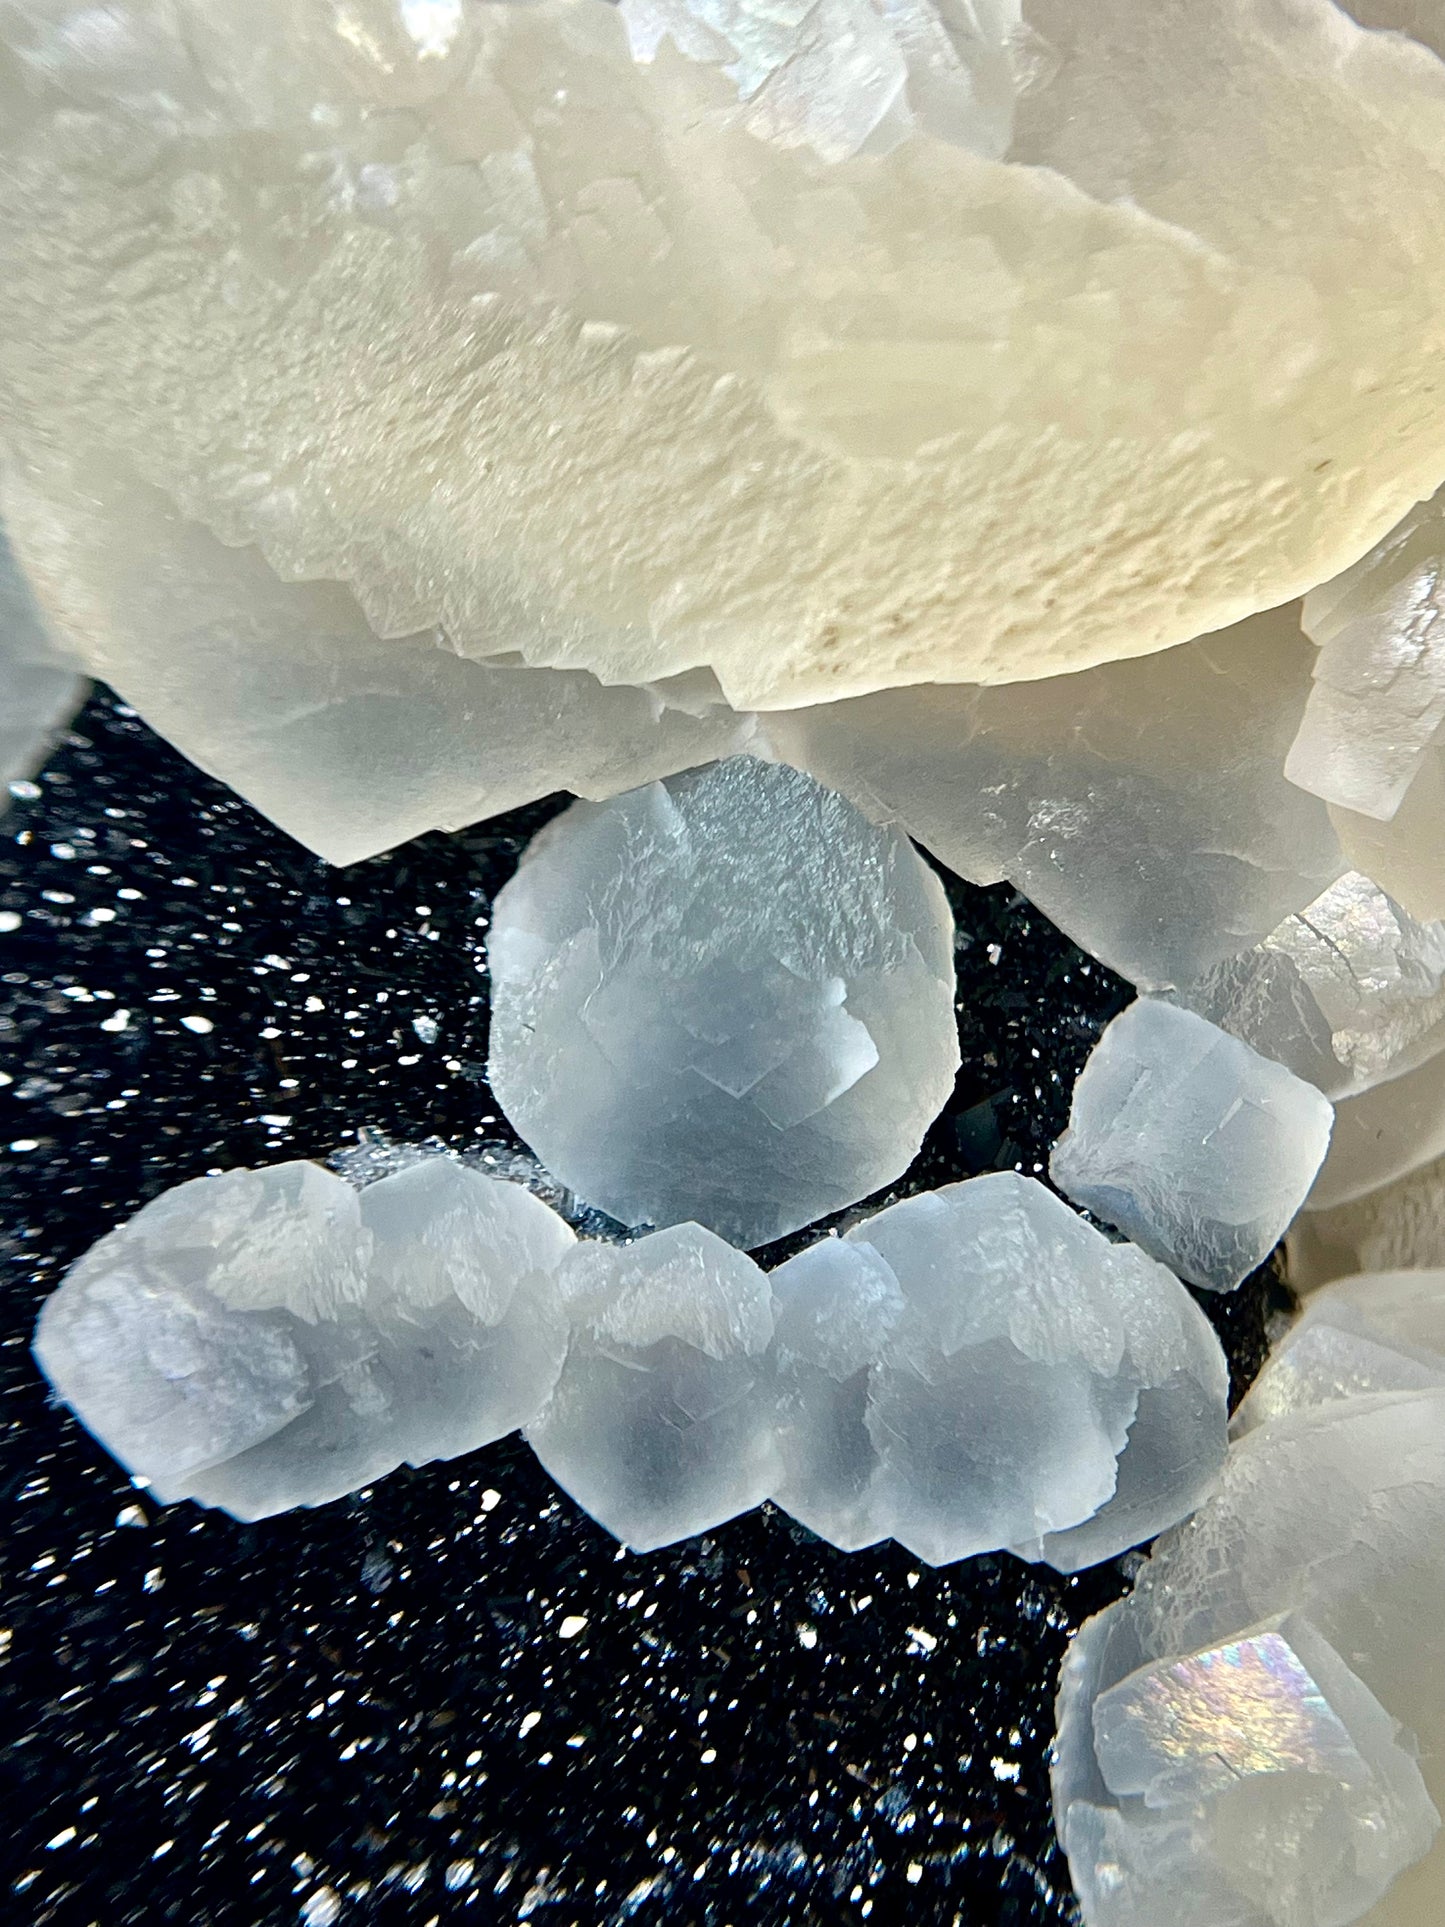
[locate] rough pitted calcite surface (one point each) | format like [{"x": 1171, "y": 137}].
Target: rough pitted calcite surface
[
  {"x": 661, "y": 1423},
  {"x": 486, "y": 313},
  {"x": 39, "y": 690},
  {"x": 268, "y": 1339},
  {"x": 1194, "y": 1145},
  {"x": 1142, "y": 805},
  {"x": 978, "y": 1368},
  {"x": 1232, "y": 1748},
  {"x": 725, "y": 998},
  {"x": 1373, "y": 1332},
  {"x": 1348, "y": 993},
  {"x": 1378, "y": 699},
  {"x": 283, "y": 691}
]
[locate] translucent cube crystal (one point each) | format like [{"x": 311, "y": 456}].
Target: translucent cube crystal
[{"x": 1194, "y": 1145}]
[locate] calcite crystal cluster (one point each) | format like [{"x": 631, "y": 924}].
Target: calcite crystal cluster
[
  {"x": 1257, "y": 1733},
  {"x": 971, "y": 1369},
  {"x": 727, "y": 998}
]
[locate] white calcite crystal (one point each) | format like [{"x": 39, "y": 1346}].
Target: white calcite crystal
[
  {"x": 827, "y": 348},
  {"x": 978, "y": 1368},
  {"x": 1348, "y": 993},
  {"x": 1371, "y": 1333},
  {"x": 1142, "y": 806},
  {"x": 39, "y": 689},
  {"x": 725, "y": 998},
  {"x": 268, "y": 1339},
  {"x": 661, "y": 1423},
  {"x": 282, "y": 690},
  {"x": 1232, "y": 1743},
  {"x": 1194, "y": 1145},
  {"x": 1378, "y": 701}
]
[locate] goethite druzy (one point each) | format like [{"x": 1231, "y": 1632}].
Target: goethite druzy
[{"x": 726, "y": 998}]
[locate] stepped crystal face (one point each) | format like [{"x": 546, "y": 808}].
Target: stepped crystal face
[
  {"x": 1195, "y": 1146},
  {"x": 661, "y": 1424},
  {"x": 269, "y": 1339},
  {"x": 1348, "y": 993},
  {"x": 1230, "y": 1743},
  {"x": 978, "y": 1368},
  {"x": 1359, "y": 1336},
  {"x": 826, "y": 350},
  {"x": 726, "y": 998}
]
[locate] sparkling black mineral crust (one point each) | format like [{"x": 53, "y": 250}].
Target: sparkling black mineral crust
[{"x": 452, "y": 1697}]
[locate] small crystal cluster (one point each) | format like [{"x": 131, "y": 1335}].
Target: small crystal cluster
[
  {"x": 974, "y": 1368},
  {"x": 1255, "y": 1734},
  {"x": 727, "y": 998}
]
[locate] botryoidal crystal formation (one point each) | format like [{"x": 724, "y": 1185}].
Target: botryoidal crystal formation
[{"x": 974, "y": 1368}]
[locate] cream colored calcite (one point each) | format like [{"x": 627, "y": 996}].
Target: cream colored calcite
[
  {"x": 1382, "y": 1134},
  {"x": 472, "y": 310},
  {"x": 1397, "y": 1228}
]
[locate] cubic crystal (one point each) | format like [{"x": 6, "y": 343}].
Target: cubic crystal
[
  {"x": 1196, "y": 1147},
  {"x": 727, "y": 998},
  {"x": 1347, "y": 993},
  {"x": 1229, "y": 1743},
  {"x": 978, "y": 1368},
  {"x": 269, "y": 1339},
  {"x": 661, "y": 1423}
]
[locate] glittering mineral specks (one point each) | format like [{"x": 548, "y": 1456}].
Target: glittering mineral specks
[{"x": 386, "y": 1711}]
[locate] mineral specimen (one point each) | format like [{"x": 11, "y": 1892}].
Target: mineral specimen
[
  {"x": 661, "y": 1423},
  {"x": 282, "y": 690},
  {"x": 727, "y": 998},
  {"x": 268, "y": 1339},
  {"x": 1347, "y": 993},
  {"x": 830, "y": 349},
  {"x": 977, "y": 1368},
  {"x": 1141, "y": 806},
  {"x": 1378, "y": 700},
  {"x": 1365, "y": 1334},
  {"x": 1229, "y": 1749},
  {"x": 1399, "y": 1227},
  {"x": 1383, "y": 1133},
  {"x": 1196, "y": 1147},
  {"x": 39, "y": 689}
]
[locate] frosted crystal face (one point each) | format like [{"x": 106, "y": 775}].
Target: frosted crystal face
[
  {"x": 268, "y": 1339},
  {"x": 727, "y": 998},
  {"x": 39, "y": 690},
  {"x": 1347, "y": 993},
  {"x": 1399, "y": 1227},
  {"x": 283, "y": 690},
  {"x": 894, "y": 354},
  {"x": 977, "y": 1368},
  {"x": 661, "y": 1424},
  {"x": 1229, "y": 1749},
  {"x": 1194, "y": 1145},
  {"x": 1378, "y": 700},
  {"x": 1381, "y": 1332},
  {"x": 1141, "y": 806},
  {"x": 1382, "y": 1134}
]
